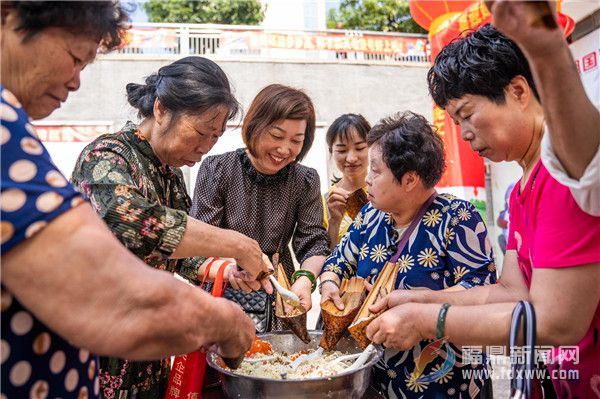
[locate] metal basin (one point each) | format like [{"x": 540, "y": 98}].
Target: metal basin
[{"x": 351, "y": 384}]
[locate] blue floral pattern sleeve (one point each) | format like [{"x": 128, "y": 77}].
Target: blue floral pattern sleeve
[
  {"x": 468, "y": 247},
  {"x": 449, "y": 247}
]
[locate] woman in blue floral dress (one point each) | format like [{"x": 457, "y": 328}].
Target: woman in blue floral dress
[{"x": 448, "y": 250}]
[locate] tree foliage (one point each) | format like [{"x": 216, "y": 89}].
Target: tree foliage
[
  {"x": 375, "y": 15},
  {"x": 231, "y": 12}
]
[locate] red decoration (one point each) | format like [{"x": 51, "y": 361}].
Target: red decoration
[
  {"x": 447, "y": 20},
  {"x": 424, "y": 12}
]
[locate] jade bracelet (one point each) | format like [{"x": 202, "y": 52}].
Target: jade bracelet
[{"x": 306, "y": 273}]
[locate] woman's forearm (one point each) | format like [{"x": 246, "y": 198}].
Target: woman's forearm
[
  {"x": 203, "y": 239},
  {"x": 571, "y": 117},
  {"x": 82, "y": 283},
  {"x": 314, "y": 264},
  {"x": 480, "y": 295}
]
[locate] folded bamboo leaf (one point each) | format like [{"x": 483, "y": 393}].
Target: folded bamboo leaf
[
  {"x": 293, "y": 317},
  {"x": 385, "y": 283},
  {"x": 336, "y": 321}
]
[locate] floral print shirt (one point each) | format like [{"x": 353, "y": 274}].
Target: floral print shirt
[
  {"x": 449, "y": 246},
  {"x": 145, "y": 204}
]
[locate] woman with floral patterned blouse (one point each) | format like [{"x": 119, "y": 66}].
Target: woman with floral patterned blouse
[
  {"x": 134, "y": 182},
  {"x": 448, "y": 250}
]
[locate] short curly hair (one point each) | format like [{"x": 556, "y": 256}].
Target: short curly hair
[
  {"x": 482, "y": 63},
  {"x": 106, "y": 21},
  {"x": 409, "y": 143}
]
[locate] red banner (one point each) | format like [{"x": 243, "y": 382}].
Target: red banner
[
  {"x": 326, "y": 42},
  {"x": 151, "y": 38},
  {"x": 58, "y": 134}
]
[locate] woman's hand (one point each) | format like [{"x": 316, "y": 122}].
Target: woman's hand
[
  {"x": 237, "y": 282},
  {"x": 331, "y": 291},
  {"x": 336, "y": 205},
  {"x": 250, "y": 257},
  {"x": 516, "y": 20},
  {"x": 238, "y": 331},
  {"x": 394, "y": 298},
  {"x": 396, "y": 328},
  {"x": 302, "y": 287}
]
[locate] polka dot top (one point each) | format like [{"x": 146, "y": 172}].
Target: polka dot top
[{"x": 35, "y": 362}]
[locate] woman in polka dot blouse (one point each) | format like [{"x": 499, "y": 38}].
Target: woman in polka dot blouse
[{"x": 66, "y": 282}]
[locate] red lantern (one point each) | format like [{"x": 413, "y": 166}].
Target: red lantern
[
  {"x": 424, "y": 12},
  {"x": 446, "y": 20}
]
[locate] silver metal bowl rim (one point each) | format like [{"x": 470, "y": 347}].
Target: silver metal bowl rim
[{"x": 214, "y": 365}]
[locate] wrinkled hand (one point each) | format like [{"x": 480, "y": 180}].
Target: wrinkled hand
[
  {"x": 237, "y": 280},
  {"x": 394, "y": 298},
  {"x": 395, "y": 328},
  {"x": 515, "y": 19},
  {"x": 302, "y": 288},
  {"x": 336, "y": 204},
  {"x": 238, "y": 331},
  {"x": 250, "y": 258}
]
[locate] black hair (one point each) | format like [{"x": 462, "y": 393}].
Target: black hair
[
  {"x": 106, "y": 21},
  {"x": 188, "y": 85},
  {"x": 482, "y": 63},
  {"x": 344, "y": 125},
  {"x": 409, "y": 143}
]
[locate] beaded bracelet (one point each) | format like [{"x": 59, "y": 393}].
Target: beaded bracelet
[
  {"x": 328, "y": 281},
  {"x": 306, "y": 273},
  {"x": 441, "y": 321}
]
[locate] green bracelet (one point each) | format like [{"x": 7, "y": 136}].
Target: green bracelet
[
  {"x": 441, "y": 321},
  {"x": 306, "y": 273}
]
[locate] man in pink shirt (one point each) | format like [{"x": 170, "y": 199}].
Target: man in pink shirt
[{"x": 552, "y": 260}]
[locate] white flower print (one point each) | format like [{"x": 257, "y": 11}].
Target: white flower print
[
  {"x": 389, "y": 219},
  {"x": 445, "y": 378},
  {"x": 364, "y": 251},
  {"x": 435, "y": 276},
  {"x": 459, "y": 273},
  {"x": 454, "y": 205},
  {"x": 405, "y": 263},
  {"x": 358, "y": 221},
  {"x": 454, "y": 221},
  {"x": 450, "y": 236},
  {"x": 378, "y": 253},
  {"x": 431, "y": 218},
  {"x": 416, "y": 386},
  {"x": 428, "y": 257},
  {"x": 464, "y": 214},
  {"x": 445, "y": 209}
]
